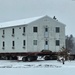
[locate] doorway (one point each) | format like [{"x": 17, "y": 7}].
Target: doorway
[{"x": 46, "y": 45}]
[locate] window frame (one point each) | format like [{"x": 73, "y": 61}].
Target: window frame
[
  {"x": 57, "y": 42},
  {"x": 24, "y": 42},
  {"x": 34, "y": 42},
  {"x": 13, "y": 31},
  {"x": 13, "y": 43},
  {"x": 46, "y": 42},
  {"x": 3, "y": 44},
  {"x": 35, "y": 29},
  {"x": 3, "y": 31},
  {"x": 24, "y": 29},
  {"x": 46, "y": 29},
  {"x": 57, "y": 29}
]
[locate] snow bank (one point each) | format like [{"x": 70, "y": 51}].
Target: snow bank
[{"x": 37, "y": 68}]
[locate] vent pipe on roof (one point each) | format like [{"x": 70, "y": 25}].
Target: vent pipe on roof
[{"x": 54, "y": 18}]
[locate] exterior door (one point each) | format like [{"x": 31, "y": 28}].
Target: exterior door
[{"x": 46, "y": 45}]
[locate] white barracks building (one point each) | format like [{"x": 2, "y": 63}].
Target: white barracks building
[{"x": 32, "y": 35}]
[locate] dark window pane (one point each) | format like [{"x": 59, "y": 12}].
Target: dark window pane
[
  {"x": 46, "y": 42},
  {"x": 24, "y": 42},
  {"x": 46, "y": 29},
  {"x": 24, "y": 29},
  {"x": 3, "y": 43},
  {"x": 3, "y": 31},
  {"x": 13, "y": 43},
  {"x": 57, "y": 29},
  {"x": 34, "y": 42},
  {"x": 13, "y": 31},
  {"x": 57, "y": 42},
  {"x": 34, "y": 29}
]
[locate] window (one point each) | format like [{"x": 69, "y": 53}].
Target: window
[
  {"x": 3, "y": 32},
  {"x": 57, "y": 42},
  {"x": 24, "y": 42},
  {"x": 46, "y": 29},
  {"x": 13, "y": 43},
  {"x": 57, "y": 29},
  {"x": 46, "y": 42},
  {"x": 34, "y": 42},
  {"x": 3, "y": 44},
  {"x": 13, "y": 31},
  {"x": 23, "y": 29},
  {"x": 19, "y": 27},
  {"x": 35, "y": 29}
]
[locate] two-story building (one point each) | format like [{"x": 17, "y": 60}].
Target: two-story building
[{"x": 32, "y": 35}]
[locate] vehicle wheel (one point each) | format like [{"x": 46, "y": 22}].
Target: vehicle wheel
[
  {"x": 29, "y": 59},
  {"x": 47, "y": 58},
  {"x": 34, "y": 58},
  {"x": 14, "y": 58},
  {"x": 24, "y": 59}
]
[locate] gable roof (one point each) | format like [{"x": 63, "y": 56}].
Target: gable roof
[
  {"x": 19, "y": 22},
  {"x": 22, "y": 22}
]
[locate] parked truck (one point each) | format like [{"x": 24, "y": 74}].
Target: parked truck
[{"x": 29, "y": 56}]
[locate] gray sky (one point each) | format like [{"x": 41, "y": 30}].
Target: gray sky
[{"x": 64, "y": 10}]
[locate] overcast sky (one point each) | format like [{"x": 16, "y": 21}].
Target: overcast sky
[{"x": 64, "y": 10}]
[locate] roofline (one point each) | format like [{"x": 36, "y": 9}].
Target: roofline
[
  {"x": 56, "y": 20},
  {"x": 24, "y": 22},
  {"x": 14, "y": 26}
]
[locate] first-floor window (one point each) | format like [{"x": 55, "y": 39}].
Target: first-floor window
[
  {"x": 3, "y": 44},
  {"x": 24, "y": 42},
  {"x": 46, "y": 29},
  {"x": 46, "y": 42},
  {"x": 13, "y": 43},
  {"x": 57, "y": 42},
  {"x": 34, "y": 42}
]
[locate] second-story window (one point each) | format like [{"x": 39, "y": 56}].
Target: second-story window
[
  {"x": 13, "y": 43},
  {"x": 46, "y": 34},
  {"x": 57, "y": 29},
  {"x": 13, "y": 31},
  {"x": 35, "y": 29},
  {"x": 3, "y": 35},
  {"x": 23, "y": 29},
  {"x": 46, "y": 29},
  {"x": 3, "y": 32}
]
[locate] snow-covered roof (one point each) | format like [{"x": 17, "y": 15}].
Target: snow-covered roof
[
  {"x": 19, "y": 22},
  {"x": 22, "y": 22}
]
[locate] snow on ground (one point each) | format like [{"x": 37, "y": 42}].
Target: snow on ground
[{"x": 36, "y": 68}]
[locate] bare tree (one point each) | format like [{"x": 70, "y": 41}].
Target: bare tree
[{"x": 69, "y": 42}]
